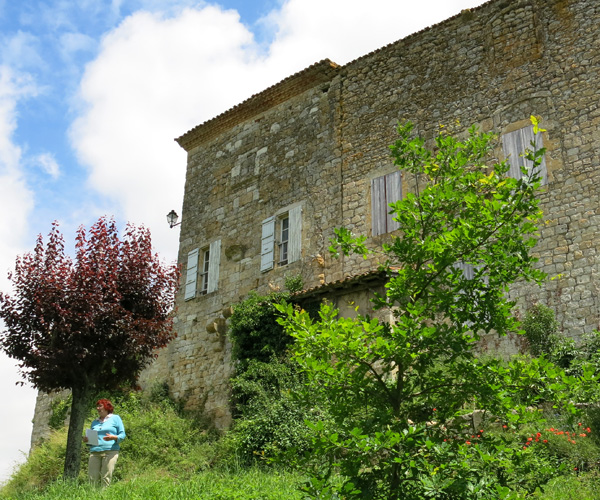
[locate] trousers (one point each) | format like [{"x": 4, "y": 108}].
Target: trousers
[{"x": 101, "y": 466}]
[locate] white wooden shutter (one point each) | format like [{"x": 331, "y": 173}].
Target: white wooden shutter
[
  {"x": 393, "y": 192},
  {"x": 384, "y": 190},
  {"x": 267, "y": 247},
  {"x": 213, "y": 266},
  {"x": 191, "y": 274},
  {"x": 467, "y": 269},
  {"x": 295, "y": 236},
  {"x": 378, "y": 213},
  {"x": 514, "y": 145}
]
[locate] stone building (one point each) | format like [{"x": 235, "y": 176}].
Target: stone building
[{"x": 269, "y": 180}]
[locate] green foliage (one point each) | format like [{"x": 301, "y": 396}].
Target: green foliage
[
  {"x": 578, "y": 359},
  {"x": 540, "y": 328},
  {"x": 394, "y": 388},
  {"x": 269, "y": 419},
  {"x": 294, "y": 283},
  {"x": 60, "y": 409},
  {"x": 254, "y": 330},
  {"x": 237, "y": 484}
]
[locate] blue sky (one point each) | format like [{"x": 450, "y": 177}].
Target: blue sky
[{"x": 93, "y": 92}]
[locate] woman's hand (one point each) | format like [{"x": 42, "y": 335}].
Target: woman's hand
[{"x": 110, "y": 437}]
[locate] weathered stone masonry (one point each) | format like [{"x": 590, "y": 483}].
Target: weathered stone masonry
[{"x": 314, "y": 142}]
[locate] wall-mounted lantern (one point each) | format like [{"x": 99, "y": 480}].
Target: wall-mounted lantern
[{"x": 172, "y": 219}]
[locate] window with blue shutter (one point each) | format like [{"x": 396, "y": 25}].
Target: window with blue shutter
[
  {"x": 514, "y": 145},
  {"x": 384, "y": 190}
]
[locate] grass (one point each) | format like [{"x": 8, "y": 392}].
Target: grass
[
  {"x": 249, "y": 484},
  {"x": 171, "y": 455}
]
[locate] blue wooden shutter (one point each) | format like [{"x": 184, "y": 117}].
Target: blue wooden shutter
[
  {"x": 213, "y": 266},
  {"x": 191, "y": 274},
  {"x": 267, "y": 247},
  {"x": 514, "y": 145},
  {"x": 295, "y": 238}
]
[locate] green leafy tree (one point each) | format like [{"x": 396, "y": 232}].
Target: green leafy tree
[
  {"x": 394, "y": 389},
  {"x": 88, "y": 324}
]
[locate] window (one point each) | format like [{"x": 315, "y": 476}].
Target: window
[
  {"x": 209, "y": 270},
  {"x": 384, "y": 190},
  {"x": 284, "y": 239},
  {"x": 281, "y": 233},
  {"x": 514, "y": 145},
  {"x": 204, "y": 270}
]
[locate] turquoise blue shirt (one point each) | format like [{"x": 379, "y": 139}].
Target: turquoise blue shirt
[{"x": 112, "y": 424}]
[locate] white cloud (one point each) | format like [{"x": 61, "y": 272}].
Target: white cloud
[
  {"x": 20, "y": 51},
  {"x": 158, "y": 75},
  {"x": 343, "y": 30},
  {"x": 16, "y": 203},
  {"x": 48, "y": 164},
  {"x": 16, "y": 198},
  {"x": 155, "y": 78},
  {"x": 73, "y": 42}
]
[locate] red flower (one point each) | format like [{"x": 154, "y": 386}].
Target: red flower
[{"x": 545, "y": 441}]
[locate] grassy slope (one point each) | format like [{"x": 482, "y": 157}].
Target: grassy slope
[{"x": 170, "y": 456}]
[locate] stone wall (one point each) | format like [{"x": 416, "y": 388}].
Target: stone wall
[
  {"x": 326, "y": 135},
  {"x": 318, "y": 138}
]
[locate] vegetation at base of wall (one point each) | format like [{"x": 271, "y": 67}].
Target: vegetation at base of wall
[
  {"x": 269, "y": 419},
  {"x": 168, "y": 453},
  {"x": 221, "y": 474},
  {"x": 60, "y": 409},
  {"x": 254, "y": 331},
  {"x": 545, "y": 339},
  {"x": 540, "y": 327}
]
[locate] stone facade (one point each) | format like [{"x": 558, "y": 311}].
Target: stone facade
[
  {"x": 310, "y": 146},
  {"x": 315, "y": 142}
]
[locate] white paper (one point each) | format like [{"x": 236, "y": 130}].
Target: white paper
[{"x": 92, "y": 437}]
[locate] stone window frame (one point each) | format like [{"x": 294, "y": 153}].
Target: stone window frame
[
  {"x": 271, "y": 238},
  {"x": 209, "y": 275}
]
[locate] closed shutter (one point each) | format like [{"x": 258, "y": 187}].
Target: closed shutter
[
  {"x": 213, "y": 266},
  {"x": 295, "y": 238},
  {"x": 378, "y": 212},
  {"x": 384, "y": 190},
  {"x": 467, "y": 269},
  {"x": 191, "y": 274},
  {"x": 267, "y": 246},
  {"x": 393, "y": 193},
  {"x": 514, "y": 145}
]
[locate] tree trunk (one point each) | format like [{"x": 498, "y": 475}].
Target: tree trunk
[{"x": 79, "y": 411}]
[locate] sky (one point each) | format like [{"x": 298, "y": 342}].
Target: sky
[{"x": 93, "y": 93}]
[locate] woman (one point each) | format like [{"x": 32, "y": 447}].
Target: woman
[{"x": 104, "y": 453}]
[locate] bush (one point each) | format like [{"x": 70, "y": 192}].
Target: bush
[
  {"x": 541, "y": 328},
  {"x": 254, "y": 330},
  {"x": 269, "y": 420}
]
